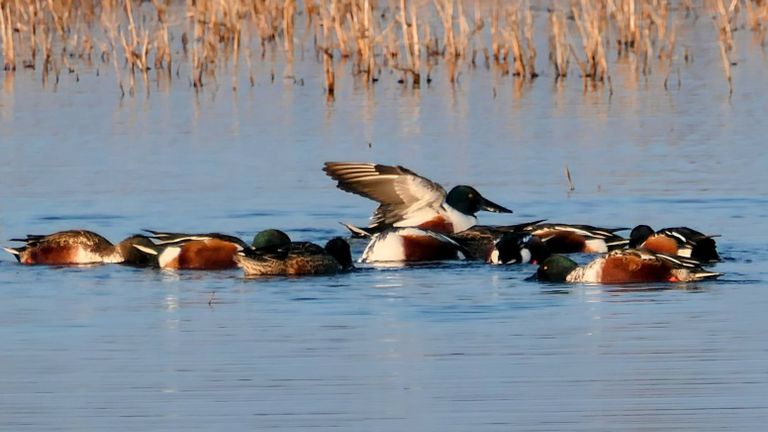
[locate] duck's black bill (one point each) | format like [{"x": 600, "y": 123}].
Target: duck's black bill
[
  {"x": 488, "y": 205},
  {"x": 532, "y": 278}
]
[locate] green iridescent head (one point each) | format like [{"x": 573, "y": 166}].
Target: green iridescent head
[
  {"x": 271, "y": 239},
  {"x": 556, "y": 268}
]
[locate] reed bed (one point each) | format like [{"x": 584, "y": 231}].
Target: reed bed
[{"x": 203, "y": 41}]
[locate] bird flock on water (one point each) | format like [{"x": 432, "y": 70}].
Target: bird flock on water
[{"x": 416, "y": 220}]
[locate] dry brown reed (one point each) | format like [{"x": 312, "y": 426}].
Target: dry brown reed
[
  {"x": 207, "y": 38},
  {"x": 326, "y": 49},
  {"x": 519, "y": 39},
  {"x": 559, "y": 47},
  {"x": 591, "y": 24},
  {"x": 6, "y": 37},
  {"x": 757, "y": 19},
  {"x": 724, "y": 23}
]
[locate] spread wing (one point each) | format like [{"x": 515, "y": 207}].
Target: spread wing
[{"x": 398, "y": 190}]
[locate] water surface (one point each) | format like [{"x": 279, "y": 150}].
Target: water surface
[{"x": 449, "y": 347}]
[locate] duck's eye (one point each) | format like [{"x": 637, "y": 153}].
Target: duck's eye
[{"x": 471, "y": 195}]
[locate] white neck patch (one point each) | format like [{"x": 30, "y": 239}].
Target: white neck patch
[{"x": 459, "y": 220}]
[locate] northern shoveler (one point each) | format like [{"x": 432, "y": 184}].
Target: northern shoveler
[
  {"x": 78, "y": 247},
  {"x": 212, "y": 251},
  {"x": 407, "y": 199},
  {"x": 566, "y": 238},
  {"x": 623, "y": 266},
  {"x": 411, "y": 245},
  {"x": 480, "y": 240},
  {"x": 274, "y": 254},
  {"x": 518, "y": 248},
  {"x": 682, "y": 241}
]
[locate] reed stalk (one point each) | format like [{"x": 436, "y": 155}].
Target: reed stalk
[
  {"x": 410, "y": 33},
  {"x": 415, "y": 46},
  {"x": 494, "y": 29},
  {"x": 369, "y": 24},
  {"x": 444, "y": 10},
  {"x": 558, "y": 43},
  {"x": 530, "y": 46},
  {"x": 337, "y": 18},
  {"x": 289, "y": 13},
  {"x": 6, "y": 37},
  {"x": 726, "y": 65},
  {"x": 723, "y": 23},
  {"x": 757, "y": 18},
  {"x": 406, "y": 37},
  {"x": 463, "y": 39},
  {"x": 513, "y": 20},
  {"x": 327, "y": 53},
  {"x": 726, "y": 43}
]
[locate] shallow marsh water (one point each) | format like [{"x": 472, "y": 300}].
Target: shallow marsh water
[{"x": 444, "y": 347}]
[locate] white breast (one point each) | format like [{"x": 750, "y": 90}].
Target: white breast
[
  {"x": 85, "y": 256},
  {"x": 385, "y": 246},
  {"x": 590, "y": 273},
  {"x": 168, "y": 255},
  {"x": 596, "y": 245}
]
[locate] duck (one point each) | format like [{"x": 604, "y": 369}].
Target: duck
[
  {"x": 682, "y": 241},
  {"x": 407, "y": 199},
  {"x": 411, "y": 244},
  {"x": 480, "y": 240},
  {"x": 518, "y": 248},
  {"x": 623, "y": 266},
  {"x": 183, "y": 251},
  {"x": 274, "y": 254},
  {"x": 78, "y": 247},
  {"x": 570, "y": 238}
]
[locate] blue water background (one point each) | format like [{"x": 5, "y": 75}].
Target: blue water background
[{"x": 437, "y": 348}]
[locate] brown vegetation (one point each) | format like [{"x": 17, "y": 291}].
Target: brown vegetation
[{"x": 202, "y": 39}]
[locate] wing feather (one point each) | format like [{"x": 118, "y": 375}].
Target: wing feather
[
  {"x": 582, "y": 230},
  {"x": 173, "y": 238},
  {"x": 398, "y": 190}
]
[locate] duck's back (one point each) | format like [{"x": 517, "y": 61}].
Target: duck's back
[
  {"x": 67, "y": 247},
  {"x": 303, "y": 258}
]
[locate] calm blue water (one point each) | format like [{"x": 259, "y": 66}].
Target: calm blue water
[{"x": 438, "y": 348}]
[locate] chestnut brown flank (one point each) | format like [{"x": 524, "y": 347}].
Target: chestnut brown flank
[
  {"x": 211, "y": 254},
  {"x": 438, "y": 224},
  {"x": 51, "y": 255},
  {"x": 661, "y": 244},
  {"x": 564, "y": 242},
  {"x": 628, "y": 268},
  {"x": 425, "y": 248}
]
